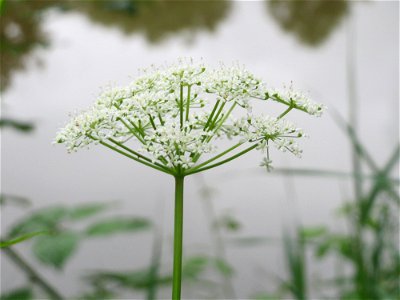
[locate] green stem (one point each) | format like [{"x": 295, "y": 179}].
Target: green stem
[
  {"x": 225, "y": 117},
  {"x": 32, "y": 274},
  {"x": 211, "y": 115},
  {"x": 161, "y": 120},
  {"x": 285, "y": 112},
  {"x": 137, "y": 154},
  {"x": 222, "y": 161},
  {"x": 216, "y": 157},
  {"x": 218, "y": 126},
  {"x": 134, "y": 158},
  {"x": 178, "y": 234},
  {"x": 152, "y": 122},
  {"x": 188, "y": 104},
  {"x": 211, "y": 126},
  {"x": 133, "y": 131},
  {"x": 181, "y": 106}
]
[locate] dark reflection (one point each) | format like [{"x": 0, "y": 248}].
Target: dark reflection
[
  {"x": 21, "y": 30},
  {"x": 310, "y": 21},
  {"x": 20, "y": 33},
  {"x": 155, "y": 19}
]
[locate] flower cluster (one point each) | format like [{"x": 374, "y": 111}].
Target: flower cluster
[
  {"x": 168, "y": 116},
  {"x": 296, "y": 99},
  {"x": 263, "y": 129}
]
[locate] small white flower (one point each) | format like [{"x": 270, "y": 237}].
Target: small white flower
[{"x": 169, "y": 116}]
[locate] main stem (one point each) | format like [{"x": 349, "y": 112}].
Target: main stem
[{"x": 178, "y": 234}]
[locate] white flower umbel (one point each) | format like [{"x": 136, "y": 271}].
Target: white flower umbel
[{"x": 169, "y": 117}]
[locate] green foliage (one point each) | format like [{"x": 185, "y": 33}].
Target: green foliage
[
  {"x": 264, "y": 296},
  {"x": 296, "y": 265},
  {"x": 193, "y": 267},
  {"x": 16, "y": 125},
  {"x": 312, "y": 232},
  {"x": 20, "y": 239},
  {"x": 249, "y": 241},
  {"x": 87, "y": 210},
  {"x": 51, "y": 218},
  {"x": 63, "y": 240},
  {"x": 13, "y": 199},
  {"x": 55, "y": 250},
  {"x": 371, "y": 245},
  {"x": 223, "y": 267},
  {"x": 117, "y": 225},
  {"x": 137, "y": 280},
  {"x": 45, "y": 219},
  {"x": 19, "y": 294},
  {"x": 228, "y": 222}
]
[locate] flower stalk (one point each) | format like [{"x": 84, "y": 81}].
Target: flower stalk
[
  {"x": 169, "y": 119},
  {"x": 178, "y": 238}
]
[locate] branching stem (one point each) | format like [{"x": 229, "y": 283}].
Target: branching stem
[
  {"x": 223, "y": 161},
  {"x": 136, "y": 159},
  {"x": 215, "y": 157}
]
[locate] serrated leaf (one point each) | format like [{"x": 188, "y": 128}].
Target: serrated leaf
[
  {"x": 21, "y": 238},
  {"x": 117, "y": 225},
  {"x": 19, "y": 294},
  {"x": 86, "y": 210},
  {"x": 43, "y": 220},
  {"x": 55, "y": 250}
]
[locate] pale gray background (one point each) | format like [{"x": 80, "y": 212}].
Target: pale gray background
[{"x": 84, "y": 56}]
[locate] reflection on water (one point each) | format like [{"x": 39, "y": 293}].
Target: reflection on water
[
  {"x": 310, "y": 21},
  {"x": 20, "y": 34},
  {"x": 21, "y": 22},
  {"x": 155, "y": 19}
]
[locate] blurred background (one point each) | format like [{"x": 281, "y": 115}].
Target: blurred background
[{"x": 321, "y": 227}]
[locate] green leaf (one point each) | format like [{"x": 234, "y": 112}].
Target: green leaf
[
  {"x": 194, "y": 266},
  {"x": 17, "y": 125},
  {"x": 19, "y": 294},
  {"x": 313, "y": 232},
  {"x": 323, "y": 249},
  {"x": 265, "y": 296},
  {"x": 141, "y": 279},
  {"x": 87, "y": 210},
  {"x": 21, "y": 238},
  {"x": 45, "y": 219},
  {"x": 117, "y": 225},
  {"x": 54, "y": 250},
  {"x": 229, "y": 223},
  {"x": 13, "y": 199},
  {"x": 252, "y": 241},
  {"x": 223, "y": 267}
]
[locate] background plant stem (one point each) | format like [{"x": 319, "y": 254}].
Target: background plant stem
[
  {"x": 218, "y": 241},
  {"x": 32, "y": 274},
  {"x": 178, "y": 234}
]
